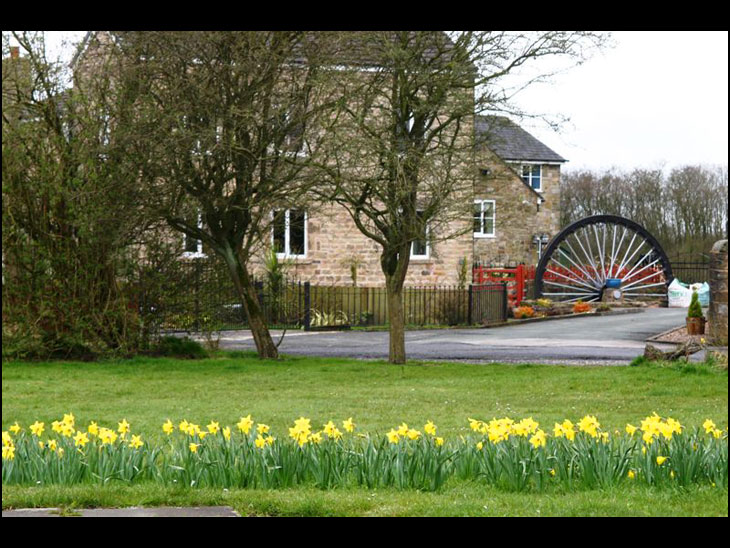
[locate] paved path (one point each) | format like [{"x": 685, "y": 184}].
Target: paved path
[
  {"x": 134, "y": 512},
  {"x": 609, "y": 339}
]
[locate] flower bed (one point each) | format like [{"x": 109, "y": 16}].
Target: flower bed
[{"x": 513, "y": 455}]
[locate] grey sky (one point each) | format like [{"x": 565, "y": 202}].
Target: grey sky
[{"x": 657, "y": 99}]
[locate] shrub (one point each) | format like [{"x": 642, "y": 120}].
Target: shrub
[
  {"x": 580, "y": 307},
  {"x": 524, "y": 312},
  {"x": 176, "y": 347},
  {"x": 695, "y": 310}
]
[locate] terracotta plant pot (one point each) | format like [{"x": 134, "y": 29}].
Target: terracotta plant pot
[{"x": 696, "y": 326}]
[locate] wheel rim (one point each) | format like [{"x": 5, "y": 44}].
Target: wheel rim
[{"x": 599, "y": 253}]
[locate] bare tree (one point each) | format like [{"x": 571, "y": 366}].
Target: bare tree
[
  {"x": 222, "y": 135},
  {"x": 402, "y": 142},
  {"x": 69, "y": 206}
]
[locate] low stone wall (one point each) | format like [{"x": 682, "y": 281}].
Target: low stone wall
[{"x": 718, "y": 293}]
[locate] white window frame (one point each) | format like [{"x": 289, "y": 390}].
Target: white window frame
[
  {"x": 287, "y": 235},
  {"x": 427, "y": 255},
  {"x": 483, "y": 234},
  {"x": 198, "y": 253},
  {"x": 531, "y": 166}
]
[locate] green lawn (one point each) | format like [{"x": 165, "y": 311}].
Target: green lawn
[{"x": 378, "y": 396}]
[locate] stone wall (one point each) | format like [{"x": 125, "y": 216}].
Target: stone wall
[
  {"x": 334, "y": 244},
  {"x": 717, "y": 315},
  {"x": 518, "y": 217}
]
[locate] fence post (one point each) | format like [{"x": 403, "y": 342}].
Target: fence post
[
  {"x": 307, "y": 307},
  {"x": 504, "y": 302},
  {"x": 470, "y": 305},
  {"x": 196, "y": 312},
  {"x": 520, "y": 284}
]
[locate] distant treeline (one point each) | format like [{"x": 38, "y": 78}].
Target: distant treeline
[{"x": 686, "y": 209}]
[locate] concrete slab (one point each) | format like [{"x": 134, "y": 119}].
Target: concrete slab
[{"x": 132, "y": 512}]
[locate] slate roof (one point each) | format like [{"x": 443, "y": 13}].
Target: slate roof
[{"x": 510, "y": 142}]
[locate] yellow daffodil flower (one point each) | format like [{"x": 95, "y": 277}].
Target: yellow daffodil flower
[
  {"x": 226, "y": 433},
  {"x": 348, "y": 425},
  {"x": 81, "y": 439},
  {"x": 123, "y": 427},
  {"x": 15, "y": 428},
  {"x": 93, "y": 429},
  {"x": 213, "y": 427},
  {"x": 168, "y": 428},
  {"x": 136, "y": 442},
  {"x": 263, "y": 428},
  {"x": 193, "y": 447},
  {"x": 660, "y": 460},
  {"x": 538, "y": 439},
  {"x": 245, "y": 424},
  {"x": 430, "y": 428},
  {"x": 393, "y": 436},
  {"x": 631, "y": 474}
]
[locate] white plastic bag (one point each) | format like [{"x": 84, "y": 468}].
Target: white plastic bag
[
  {"x": 678, "y": 294},
  {"x": 703, "y": 293}
]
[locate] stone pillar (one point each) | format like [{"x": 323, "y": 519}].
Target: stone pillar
[{"x": 717, "y": 315}]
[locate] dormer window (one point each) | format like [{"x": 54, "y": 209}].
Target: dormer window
[{"x": 532, "y": 176}]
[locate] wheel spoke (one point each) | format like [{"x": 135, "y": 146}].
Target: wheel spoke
[
  {"x": 579, "y": 282},
  {"x": 574, "y": 288},
  {"x": 588, "y": 276}
]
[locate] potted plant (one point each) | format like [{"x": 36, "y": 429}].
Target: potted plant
[{"x": 695, "y": 319}]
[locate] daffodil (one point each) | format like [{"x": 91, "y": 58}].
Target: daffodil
[
  {"x": 52, "y": 445},
  {"x": 226, "y": 433},
  {"x": 538, "y": 439},
  {"x": 260, "y": 441},
  {"x": 430, "y": 428},
  {"x": 81, "y": 439},
  {"x": 480, "y": 446},
  {"x": 69, "y": 418},
  {"x": 123, "y": 427},
  {"x": 168, "y": 428},
  {"x": 348, "y": 425},
  {"x": 245, "y": 424},
  {"x": 93, "y": 429},
  {"x": 8, "y": 452},
  {"x": 631, "y": 474},
  {"x": 263, "y": 428},
  {"x": 393, "y": 436},
  {"x": 213, "y": 427},
  {"x": 15, "y": 428},
  {"x": 439, "y": 442},
  {"x": 413, "y": 434},
  {"x": 630, "y": 429},
  {"x": 589, "y": 424},
  {"x": 67, "y": 429},
  {"x": 193, "y": 447},
  {"x": 136, "y": 442},
  {"x": 709, "y": 426},
  {"x": 183, "y": 426},
  {"x": 660, "y": 460}
]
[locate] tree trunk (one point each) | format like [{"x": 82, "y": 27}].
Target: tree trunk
[
  {"x": 396, "y": 322},
  {"x": 256, "y": 321},
  {"x": 395, "y": 267}
]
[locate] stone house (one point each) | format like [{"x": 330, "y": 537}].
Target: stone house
[{"x": 516, "y": 200}]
